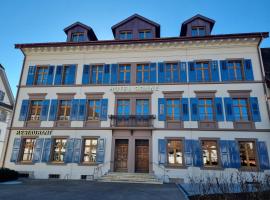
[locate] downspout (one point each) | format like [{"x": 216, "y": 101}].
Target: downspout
[
  {"x": 262, "y": 73},
  {"x": 13, "y": 114}
]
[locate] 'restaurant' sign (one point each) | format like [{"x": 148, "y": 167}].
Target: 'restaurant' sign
[
  {"x": 134, "y": 88},
  {"x": 34, "y": 132}
]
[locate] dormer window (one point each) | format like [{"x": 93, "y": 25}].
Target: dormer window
[
  {"x": 77, "y": 37},
  {"x": 198, "y": 31},
  {"x": 145, "y": 34},
  {"x": 126, "y": 35}
]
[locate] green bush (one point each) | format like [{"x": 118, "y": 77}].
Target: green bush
[{"x": 8, "y": 175}]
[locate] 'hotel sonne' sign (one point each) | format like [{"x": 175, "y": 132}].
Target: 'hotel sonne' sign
[
  {"x": 133, "y": 88},
  {"x": 34, "y": 132}
]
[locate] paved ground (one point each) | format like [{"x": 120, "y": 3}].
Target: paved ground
[{"x": 80, "y": 190}]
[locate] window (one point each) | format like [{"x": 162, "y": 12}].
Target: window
[
  {"x": 202, "y": 70},
  {"x": 3, "y": 115},
  {"x": 35, "y": 109},
  {"x": 28, "y": 149},
  {"x": 124, "y": 74},
  {"x": 198, "y": 31},
  {"x": 41, "y": 75},
  {"x": 175, "y": 152},
  {"x": 64, "y": 110},
  {"x": 210, "y": 153},
  {"x": 240, "y": 109},
  {"x": 206, "y": 112},
  {"x": 77, "y": 37},
  {"x": 97, "y": 74},
  {"x": 173, "y": 109},
  {"x": 123, "y": 107},
  {"x": 2, "y": 95},
  {"x": 235, "y": 69},
  {"x": 90, "y": 151},
  {"x": 59, "y": 149},
  {"x": 247, "y": 154},
  {"x": 172, "y": 72},
  {"x": 145, "y": 34},
  {"x": 126, "y": 35},
  {"x": 66, "y": 74},
  {"x": 143, "y": 73},
  {"x": 142, "y": 107},
  {"x": 93, "y": 109}
]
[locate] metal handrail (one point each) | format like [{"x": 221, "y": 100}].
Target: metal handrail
[
  {"x": 98, "y": 170},
  {"x": 164, "y": 171}
]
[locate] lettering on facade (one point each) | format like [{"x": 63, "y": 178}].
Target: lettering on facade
[
  {"x": 34, "y": 132},
  {"x": 134, "y": 88}
]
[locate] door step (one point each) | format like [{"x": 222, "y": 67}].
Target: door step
[{"x": 119, "y": 177}]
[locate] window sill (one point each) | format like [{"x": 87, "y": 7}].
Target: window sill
[
  {"x": 57, "y": 163},
  {"x": 212, "y": 168},
  {"x": 249, "y": 169},
  {"x": 175, "y": 167},
  {"x": 25, "y": 163},
  {"x": 87, "y": 164}
]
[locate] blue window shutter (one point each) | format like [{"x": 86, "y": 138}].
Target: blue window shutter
[
  {"x": 197, "y": 153},
  {"x": 71, "y": 76},
  {"x": 58, "y": 75},
  {"x": 15, "y": 150},
  {"x": 38, "y": 150},
  {"x": 106, "y": 74},
  {"x": 228, "y": 109},
  {"x": 191, "y": 72},
  {"x": 47, "y": 150},
  {"x": 224, "y": 70},
  {"x": 161, "y": 109},
  {"x": 31, "y": 75},
  {"x": 161, "y": 72},
  {"x": 53, "y": 110},
  {"x": 50, "y": 75},
  {"x": 114, "y": 73},
  {"x": 101, "y": 150},
  {"x": 254, "y": 107},
  {"x": 234, "y": 154},
  {"x": 77, "y": 151},
  {"x": 248, "y": 70},
  {"x": 82, "y": 110},
  {"x": 153, "y": 73},
  {"x": 263, "y": 155},
  {"x": 74, "y": 109},
  {"x": 188, "y": 153},
  {"x": 44, "y": 110},
  {"x": 214, "y": 70},
  {"x": 185, "y": 110},
  {"x": 104, "y": 109},
  {"x": 162, "y": 151},
  {"x": 24, "y": 110},
  {"x": 224, "y": 153},
  {"x": 194, "y": 109},
  {"x": 183, "y": 72},
  {"x": 69, "y": 151},
  {"x": 86, "y": 74},
  {"x": 219, "y": 109}
]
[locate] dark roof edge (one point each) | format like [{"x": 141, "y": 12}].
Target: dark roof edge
[
  {"x": 10, "y": 107},
  {"x": 168, "y": 39}
]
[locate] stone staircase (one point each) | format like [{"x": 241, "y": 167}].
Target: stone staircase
[{"x": 129, "y": 178}]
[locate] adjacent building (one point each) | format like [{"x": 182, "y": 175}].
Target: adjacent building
[{"x": 169, "y": 106}]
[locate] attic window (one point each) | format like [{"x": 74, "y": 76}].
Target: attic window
[
  {"x": 145, "y": 34},
  {"x": 77, "y": 37},
  {"x": 198, "y": 31},
  {"x": 126, "y": 35}
]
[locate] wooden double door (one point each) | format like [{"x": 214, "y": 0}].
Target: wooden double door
[
  {"x": 142, "y": 156},
  {"x": 121, "y": 155}
]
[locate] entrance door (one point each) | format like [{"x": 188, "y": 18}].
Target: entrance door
[
  {"x": 142, "y": 156},
  {"x": 121, "y": 155}
]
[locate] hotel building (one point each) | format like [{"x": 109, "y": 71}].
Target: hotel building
[{"x": 141, "y": 103}]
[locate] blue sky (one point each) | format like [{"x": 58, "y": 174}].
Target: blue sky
[{"x": 31, "y": 21}]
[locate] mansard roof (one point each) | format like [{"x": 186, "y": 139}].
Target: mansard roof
[
  {"x": 8, "y": 90},
  {"x": 266, "y": 64}
]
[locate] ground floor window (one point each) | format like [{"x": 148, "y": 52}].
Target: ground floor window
[
  {"x": 59, "y": 149},
  {"x": 175, "y": 152},
  {"x": 90, "y": 151},
  {"x": 210, "y": 153},
  {"x": 247, "y": 154},
  {"x": 28, "y": 149}
]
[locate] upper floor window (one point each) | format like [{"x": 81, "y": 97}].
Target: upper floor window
[
  {"x": 143, "y": 73},
  {"x": 124, "y": 74},
  {"x": 235, "y": 70},
  {"x": 240, "y": 109},
  {"x": 64, "y": 109},
  {"x": 65, "y": 75},
  {"x": 173, "y": 109},
  {"x": 206, "y": 112},
  {"x": 90, "y": 151},
  {"x": 142, "y": 107},
  {"x": 35, "y": 110},
  {"x": 97, "y": 74},
  {"x": 2, "y": 95},
  {"x": 210, "y": 153},
  {"x": 59, "y": 149},
  {"x": 247, "y": 154},
  {"x": 93, "y": 109},
  {"x": 77, "y": 37},
  {"x": 123, "y": 107},
  {"x": 28, "y": 149},
  {"x": 126, "y": 35},
  {"x": 172, "y": 72},
  {"x": 145, "y": 34},
  {"x": 3, "y": 115},
  {"x": 198, "y": 31},
  {"x": 202, "y": 70},
  {"x": 175, "y": 152}
]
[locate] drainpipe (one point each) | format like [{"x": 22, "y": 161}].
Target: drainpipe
[
  {"x": 262, "y": 73},
  {"x": 12, "y": 119}
]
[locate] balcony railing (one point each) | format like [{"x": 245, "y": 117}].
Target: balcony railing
[{"x": 132, "y": 120}]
